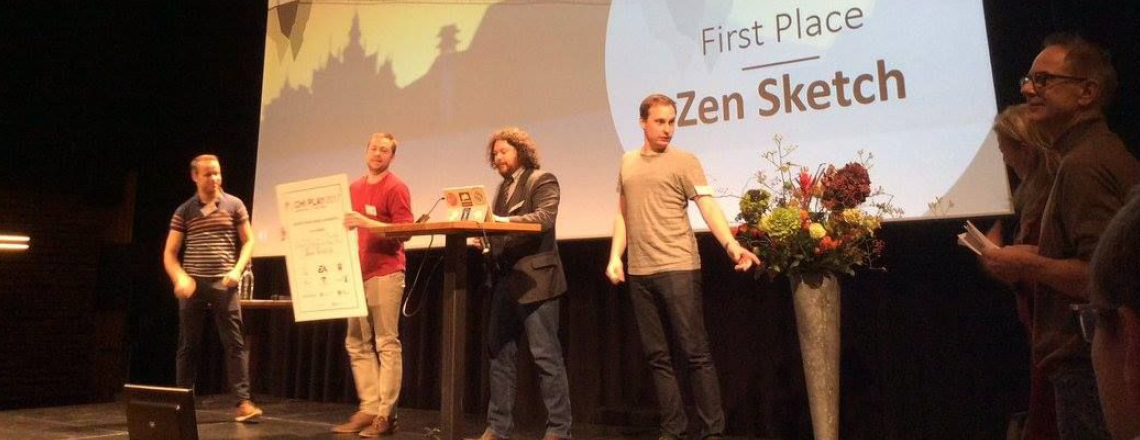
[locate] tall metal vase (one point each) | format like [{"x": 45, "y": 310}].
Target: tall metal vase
[{"x": 816, "y": 298}]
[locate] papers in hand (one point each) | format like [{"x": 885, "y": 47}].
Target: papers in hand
[{"x": 974, "y": 239}]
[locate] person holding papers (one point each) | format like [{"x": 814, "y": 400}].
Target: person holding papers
[
  {"x": 1067, "y": 88},
  {"x": 528, "y": 286},
  {"x": 212, "y": 232},
  {"x": 379, "y": 198}
]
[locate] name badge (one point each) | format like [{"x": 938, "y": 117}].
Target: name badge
[{"x": 370, "y": 210}]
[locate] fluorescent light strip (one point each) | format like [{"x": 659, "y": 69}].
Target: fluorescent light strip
[
  {"x": 15, "y": 238},
  {"x": 13, "y": 247}
]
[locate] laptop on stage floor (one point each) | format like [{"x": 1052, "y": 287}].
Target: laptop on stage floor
[{"x": 160, "y": 413}]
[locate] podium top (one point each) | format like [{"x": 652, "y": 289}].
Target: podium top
[
  {"x": 465, "y": 228},
  {"x": 266, "y": 304}
]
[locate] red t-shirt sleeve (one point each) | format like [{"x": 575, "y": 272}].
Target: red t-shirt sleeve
[{"x": 400, "y": 204}]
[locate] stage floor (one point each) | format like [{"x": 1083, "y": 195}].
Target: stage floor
[{"x": 284, "y": 419}]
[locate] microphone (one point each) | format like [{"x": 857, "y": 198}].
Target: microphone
[{"x": 427, "y": 215}]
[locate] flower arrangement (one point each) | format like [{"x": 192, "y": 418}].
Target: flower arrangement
[{"x": 803, "y": 223}]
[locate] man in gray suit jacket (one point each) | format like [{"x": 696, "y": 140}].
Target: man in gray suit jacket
[{"x": 529, "y": 282}]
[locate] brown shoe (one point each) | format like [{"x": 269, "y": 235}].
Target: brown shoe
[
  {"x": 487, "y": 435},
  {"x": 355, "y": 424},
  {"x": 381, "y": 425},
  {"x": 247, "y": 412}
]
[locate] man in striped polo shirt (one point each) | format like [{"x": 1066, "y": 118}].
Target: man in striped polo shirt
[{"x": 212, "y": 232}]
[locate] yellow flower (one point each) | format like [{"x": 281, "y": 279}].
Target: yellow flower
[
  {"x": 852, "y": 216},
  {"x": 817, "y": 231},
  {"x": 871, "y": 223}
]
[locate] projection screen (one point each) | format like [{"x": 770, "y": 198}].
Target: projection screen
[{"x": 909, "y": 82}]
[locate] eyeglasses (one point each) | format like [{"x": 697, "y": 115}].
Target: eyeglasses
[
  {"x": 1041, "y": 79},
  {"x": 1089, "y": 315}
]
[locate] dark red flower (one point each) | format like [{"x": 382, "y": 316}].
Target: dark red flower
[{"x": 847, "y": 187}]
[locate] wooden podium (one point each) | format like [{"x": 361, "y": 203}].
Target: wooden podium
[
  {"x": 266, "y": 304},
  {"x": 454, "y": 304}
]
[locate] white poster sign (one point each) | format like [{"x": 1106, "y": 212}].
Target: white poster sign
[{"x": 321, "y": 254}]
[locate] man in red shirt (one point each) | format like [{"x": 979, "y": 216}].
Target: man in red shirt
[{"x": 379, "y": 198}]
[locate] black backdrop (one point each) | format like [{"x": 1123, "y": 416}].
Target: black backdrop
[{"x": 103, "y": 104}]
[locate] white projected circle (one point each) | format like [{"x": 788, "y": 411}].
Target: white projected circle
[{"x": 910, "y": 84}]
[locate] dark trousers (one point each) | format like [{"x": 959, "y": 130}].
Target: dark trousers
[
  {"x": 678, "y": 295},
  {"x": 540, "y": 321},
  {"x": 211, "y": 298},
  {"x": 1079, "y": 414}
]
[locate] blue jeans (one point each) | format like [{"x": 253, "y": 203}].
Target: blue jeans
[
  {"x": 540, "y": 321},
  {"x": 678, "y": 294},
  {"x": 211, "y": 298}
]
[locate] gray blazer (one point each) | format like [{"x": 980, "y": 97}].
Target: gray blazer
[{"x": 529, "y": 263}]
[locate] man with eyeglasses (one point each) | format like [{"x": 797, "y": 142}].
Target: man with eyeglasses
[
  {"x": 1067, "y": 88},
  {"x": 1111, "y": 321}
]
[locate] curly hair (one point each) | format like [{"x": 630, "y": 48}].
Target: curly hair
[{"x": 524, "y": 146}]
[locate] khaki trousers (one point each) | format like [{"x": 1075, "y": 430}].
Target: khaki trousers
[{"x": 373, "y": 345}]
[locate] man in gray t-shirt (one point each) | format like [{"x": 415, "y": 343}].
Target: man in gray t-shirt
[{"x": 655, "y": 186}]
